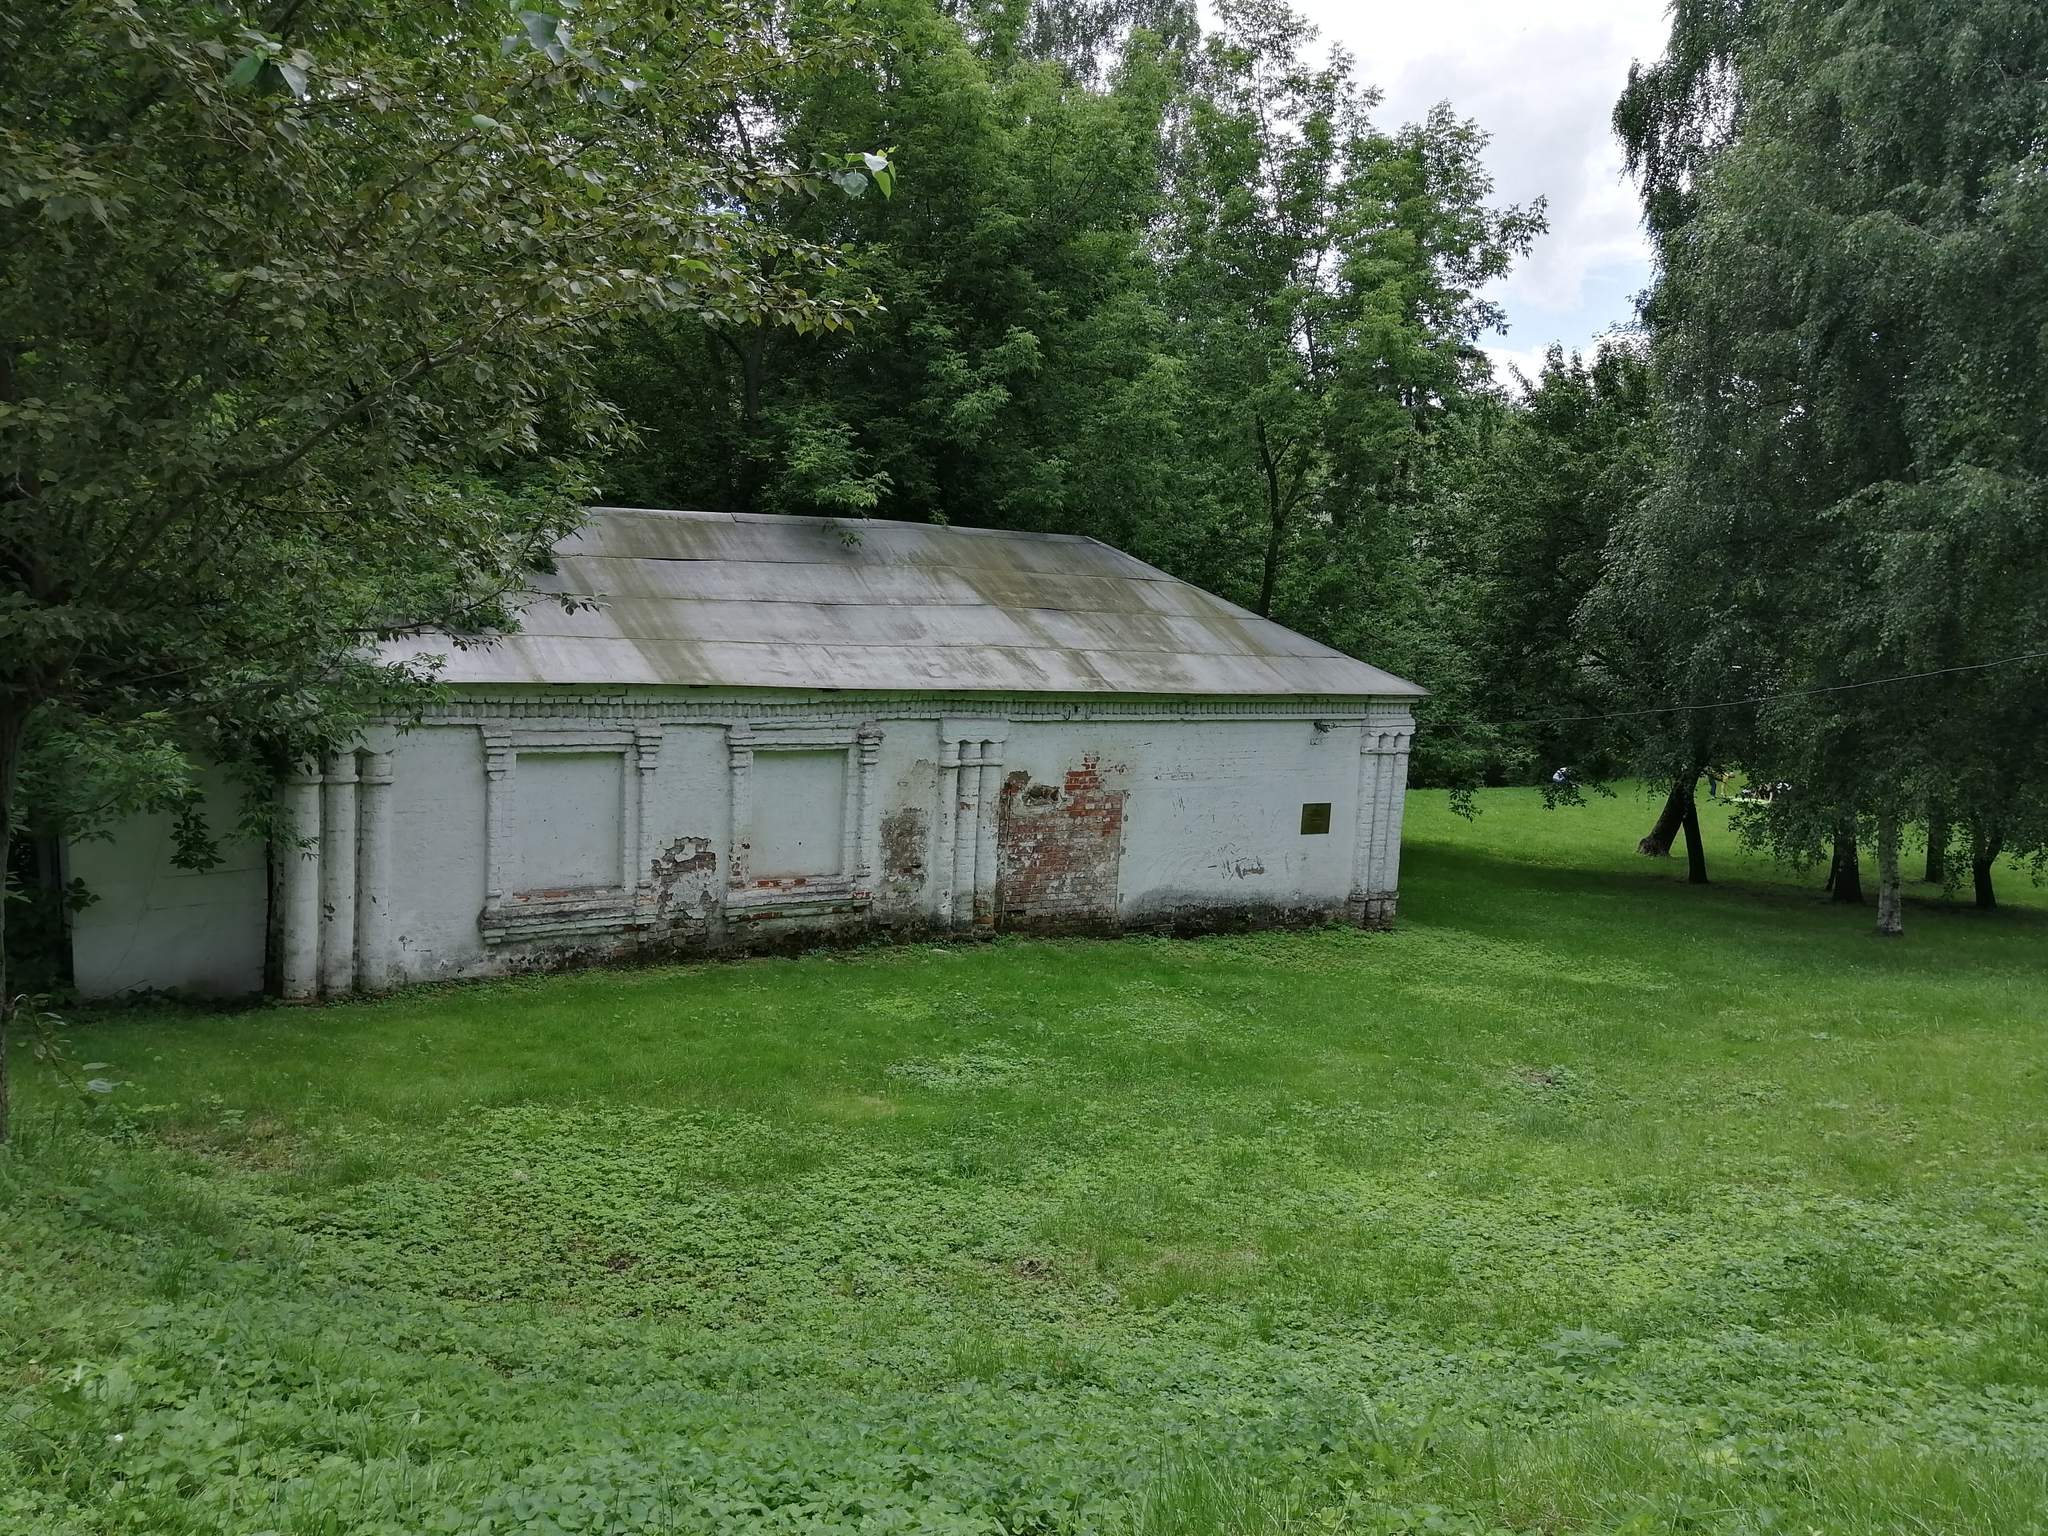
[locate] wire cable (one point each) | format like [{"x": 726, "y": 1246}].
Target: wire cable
[{"x": 1786, "y": 693}]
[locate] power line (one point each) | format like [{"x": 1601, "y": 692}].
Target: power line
[{"x": 1787, "y": 693}]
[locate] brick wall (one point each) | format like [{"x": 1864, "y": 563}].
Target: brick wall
[{"x": 1058, "y": 850}]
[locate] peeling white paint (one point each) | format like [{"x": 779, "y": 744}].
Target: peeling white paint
[{"x": 1208, "y": 826}]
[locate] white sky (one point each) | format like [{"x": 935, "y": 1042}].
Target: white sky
[{"x": 1541, "y": 76}]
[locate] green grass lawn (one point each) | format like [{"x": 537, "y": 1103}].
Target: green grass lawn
[{"x": 1587, "y": 1201}]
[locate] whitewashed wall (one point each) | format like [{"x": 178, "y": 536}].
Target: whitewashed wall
[
  {"x": 1212, "y": 809},
  {"x": 153, "y": 926},
  {"x": 529, "y": 831}
]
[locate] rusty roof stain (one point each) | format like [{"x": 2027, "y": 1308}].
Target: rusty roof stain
[{"x": 738, "y": 600}]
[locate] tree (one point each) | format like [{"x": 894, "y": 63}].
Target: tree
[
  {"x": 1326, "y": 282},
  {"x": 1177, "y": 293},
  {"x": 288, "y": 299},
  {"x": 1085, "y": 37},
  {"x": 1654, "y": 658},
  {"x": 1017, "y": 347},
  {"x": 1325, "y": 279},
  {"x": 1849, "y": 319},
  {"x": 1530, "y": 494}
]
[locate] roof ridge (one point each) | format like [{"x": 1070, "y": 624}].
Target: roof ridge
[{"x": 856, "y": 523}]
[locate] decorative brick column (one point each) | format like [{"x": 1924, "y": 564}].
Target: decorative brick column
[
  {"x": 498, "y": 766},
  {"x": 373, "y": 874},
  {"x": 970, "y": 785},
  {"x": 945, "y": 827},
  {"x": 338, "y": 875},
  {"x": 867, "y": 808},
  {"x": 298, "y": 882},
  {"x": 1382, "y": 797},
  {"x": 642, "y": 843}
]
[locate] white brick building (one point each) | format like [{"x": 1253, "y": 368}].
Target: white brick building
[{"x": 772, "y": 726}]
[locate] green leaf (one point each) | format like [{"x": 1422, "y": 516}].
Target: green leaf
[
  {"x": 294, "y": 79},
  {"x": 246, "y": 69},
  {"x": 540, "y": 29}
]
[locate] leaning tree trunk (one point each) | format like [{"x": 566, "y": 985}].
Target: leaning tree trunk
[
  {"x": 1845, "y": 874},
  {"x": 1269, "y": 572},
  {"x": 1986, "y": 843},
  {"x": 1279, "y": 505},
  {"x": 1891, "y": 913},
  {"x": 1980, "y": 884},
  {"x": 1695, "y": 849},
  {"x": 1937, "y": 845},
  {"x": 1657, "y": 842}
]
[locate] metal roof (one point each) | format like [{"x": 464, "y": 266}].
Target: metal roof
[{"x": 738, "y": 600}]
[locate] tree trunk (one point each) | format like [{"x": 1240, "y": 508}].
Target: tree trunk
[
  {"x": 1980, "y": 882},
  {"x": 752, "y": 368},
  {"x": 1845, "y": 874},
  {"x": 1695, "y": 849},
  {"x": 1986, "y": 843},
  {"x": 1937, "y": 846},
  {"x": 13, "y": 721},
  {"x": 1270, "y": 576},
  {"x": 1891, "y": 914},
  {"x": 1657, "y": 842},
  {"x": 1281, "y": 491}
]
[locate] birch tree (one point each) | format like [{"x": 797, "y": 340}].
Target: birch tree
[{"x": 1850, "y": 202}]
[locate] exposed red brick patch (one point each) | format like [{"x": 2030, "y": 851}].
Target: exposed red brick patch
[{"x": 1058, "y": 851}]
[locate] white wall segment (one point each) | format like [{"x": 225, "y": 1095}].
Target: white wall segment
[
  {"x": 540, "y": 830},
  {"x": 155, "y": 927}
]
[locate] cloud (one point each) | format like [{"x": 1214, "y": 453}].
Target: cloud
[
  {"x": 1541, "y": 76},
  {"x": 1507, "y": 359}
]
